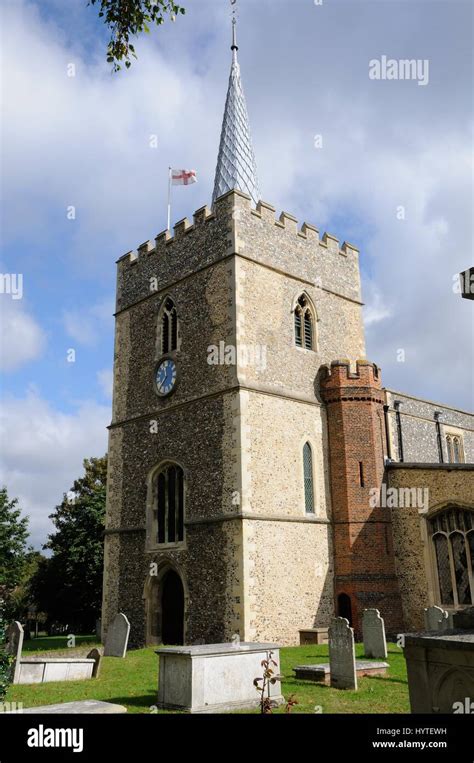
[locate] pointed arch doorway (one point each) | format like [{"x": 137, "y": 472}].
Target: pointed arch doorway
[
  {"x": 172, "y": 608},
  {"x": 344, "y": 607}
]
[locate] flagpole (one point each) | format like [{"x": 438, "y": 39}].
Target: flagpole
[{"x": 169, "y": 198}]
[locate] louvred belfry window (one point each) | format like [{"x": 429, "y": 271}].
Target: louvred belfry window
[
  {"x": 169, "y": 328},
  {"x": 298, "y": 329},
  {"x": 304, "y": 324},
  {"x": 308, "y": 331}
]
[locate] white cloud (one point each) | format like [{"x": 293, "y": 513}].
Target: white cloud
[
  {"x": 89, "y": 135},
  {"x": 21, "y": 338},
  {"x": 87, "y": 325},
  {"x": 43, "y": 450},
  {"x": 105, "y": 379},
  {"x": 384, "y": 146},
  {"x": 376, "y": 308}
]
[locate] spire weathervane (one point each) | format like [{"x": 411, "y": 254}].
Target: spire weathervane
[
  {"x": 234, "y": 47},
  {"x": 236, "y": 167}
]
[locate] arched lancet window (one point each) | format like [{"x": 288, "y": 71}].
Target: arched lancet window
[
  {"x": 452, "y": 533},
  {"x": 449, "y": 446},
  {"x": 304, "y": 324},
  {"x": 169, "y": 327},
  {"x": 168, "y": 505},
  {"x": 308, "y": 479},
  {"x": 457, "y": 450},
  {"x": 454, "y": 448}
]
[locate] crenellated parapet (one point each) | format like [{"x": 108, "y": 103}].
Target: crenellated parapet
[
  {"x": 339, "y": 382},
  {"x": 286, "y": 221},
  {"x": 264, "y": 211},
  {"x": 166, "y": 238},
  {"x": 234, "y": 227}
]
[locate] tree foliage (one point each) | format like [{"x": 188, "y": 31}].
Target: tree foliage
[
  {"x": 18, "y": 604},
  {"x": 13, "y": 543},
  {"x": 129, "y": 18},
  {"x": 5, "y": 659},
  {"x": 68, "y": 585}
]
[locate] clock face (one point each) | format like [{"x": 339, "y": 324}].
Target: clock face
[{"x": 165, "y": 377}]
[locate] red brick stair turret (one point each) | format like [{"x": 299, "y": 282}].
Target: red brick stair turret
[{"x": 363, "y": 547}]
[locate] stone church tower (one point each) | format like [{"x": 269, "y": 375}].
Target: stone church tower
[{"x": 218, "y": 508}]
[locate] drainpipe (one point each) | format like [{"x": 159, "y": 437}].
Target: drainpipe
[
  {"x": 438, "y": 436},
  {"x": 396, "y": 405},
  {"x": 387, "y": 432}
]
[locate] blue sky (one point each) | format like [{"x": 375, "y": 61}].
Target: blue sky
[{"x": 85, "y": 141}]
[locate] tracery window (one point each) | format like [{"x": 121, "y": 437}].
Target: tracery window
[
  {"x": 455, "y": 449},
  {"x": 169, "y": 327},
  {"x": 304, "y": 324},
  {"x": 452, "y": 533},
  {"x": 167, "y": 505}
]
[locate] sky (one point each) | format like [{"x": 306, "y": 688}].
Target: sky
[{"x": 385, "y": 164}]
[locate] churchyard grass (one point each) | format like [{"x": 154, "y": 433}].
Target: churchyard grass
[
  {"x": 376, "y": 694},
  {"x": 133, "y": 682},
  {"x": 44, "y": 644}
]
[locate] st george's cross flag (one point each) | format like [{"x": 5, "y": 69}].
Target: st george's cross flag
[
  {"x": 183, "y": 177},
  {"x": 178, "y": 177}
]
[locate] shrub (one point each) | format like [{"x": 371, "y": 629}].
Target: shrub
[{"x": 5, "y": 658}]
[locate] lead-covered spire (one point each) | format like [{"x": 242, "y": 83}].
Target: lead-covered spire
[{"x": 236, "y": 167}]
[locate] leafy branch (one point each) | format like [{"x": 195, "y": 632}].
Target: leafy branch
[
  {"x": 267, "y": 680},
  {"x": 129, "y": 18}
]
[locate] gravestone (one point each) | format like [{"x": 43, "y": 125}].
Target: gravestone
[
  {"x": 85, "y": 706},
  {"x": 98, "y": 629},
  {"x": 37, "y": 670},
  {"x": 440, "y": 667},
  {"x": 342, "y": 654},
  {"x": 117, "y": 637},
  {"x": 373, "y": 630},
  {"x": 215, "y": 678},
  {"x": 321, "y": 673},
  {"x": 437, "y": 619},
  {"x": 15, "y": 636},
  {"x": 464, "y": 619},
  {"x": 95, "y": 655}
]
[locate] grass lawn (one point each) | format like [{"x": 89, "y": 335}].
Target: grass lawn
[
  {"x": 45, "y": 644},
  {"x": 133, "y": 682}
]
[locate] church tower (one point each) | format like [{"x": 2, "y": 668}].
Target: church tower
[{"x": 219, "y": 501}]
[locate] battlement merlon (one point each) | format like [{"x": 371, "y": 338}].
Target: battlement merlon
[
  {"x": 233, "y": 226},
  {"x": 264, "y": 211},
  {"x": 339, "y": 378}
]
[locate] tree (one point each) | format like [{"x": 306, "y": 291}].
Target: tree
[
  {"x": 128, "y": 18},
  {"x": 68, "y": 585},
  {"x": 20, "y": 598},
  {"x": 5, "y": 658},
  {"x": 13, "y": 539}
]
